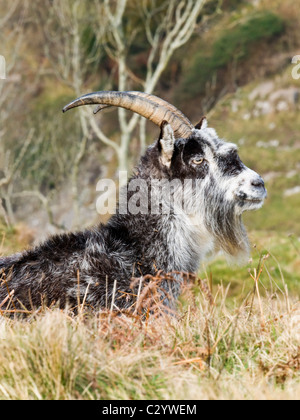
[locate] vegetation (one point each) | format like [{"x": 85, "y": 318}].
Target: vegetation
[
  {"x": 208, "y": 351},
  {"x": 236, "y": 337},
  {"x": 232, "y": 46}
]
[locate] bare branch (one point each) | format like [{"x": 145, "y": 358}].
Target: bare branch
[
  {"x": 10, "y": 169},
  {"x": 186, "y": 14},
  {"x": 45, "y": 202}
]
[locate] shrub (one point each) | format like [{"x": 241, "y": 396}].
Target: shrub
[{"x": 233, "y": 45}]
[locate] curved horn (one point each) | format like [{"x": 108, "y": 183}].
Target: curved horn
[
  {"x": 155, "y": 99},
  {"x": 153, "y": 108}
]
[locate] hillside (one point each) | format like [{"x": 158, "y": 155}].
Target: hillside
[{"x": 235, "y": 334}]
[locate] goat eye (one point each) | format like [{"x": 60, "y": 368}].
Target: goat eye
[{"x": 198, "y": 161}]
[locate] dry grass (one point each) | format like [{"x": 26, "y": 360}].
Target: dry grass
[{"x": 209, "y": 350}]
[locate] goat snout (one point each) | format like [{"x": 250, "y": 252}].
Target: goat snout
[
  {"x": 258, "y": 183},
  {"x": 252, "y": 192},
  {"x": 258, "y": 186}
]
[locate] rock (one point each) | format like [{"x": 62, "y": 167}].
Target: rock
[
  {"x": 292, "y": 191},
  {"x": 282, "y": 106},
  {"x": 268, "y": 144},
  {"x": 262, "y": 90},
  {"x": 264, "y": 107},
  {"x": 287, "y": 95}
]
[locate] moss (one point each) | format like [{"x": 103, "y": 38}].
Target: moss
[{"x": 232, "y": 46}]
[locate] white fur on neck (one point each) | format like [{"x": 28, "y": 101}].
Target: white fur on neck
[{"x": 189, "y": 243}]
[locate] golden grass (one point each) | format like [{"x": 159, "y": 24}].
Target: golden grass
[{"x": 208, "y": 350}]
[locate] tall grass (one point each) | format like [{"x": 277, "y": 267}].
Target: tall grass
[{"x": 208, "y": 350}]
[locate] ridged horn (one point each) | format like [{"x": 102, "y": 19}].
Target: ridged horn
[
  {"x": 149, "y": 106},
  {"x": 155, "y": 99}
]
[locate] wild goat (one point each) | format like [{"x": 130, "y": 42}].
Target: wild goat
[{"x": 98, "y": 264}]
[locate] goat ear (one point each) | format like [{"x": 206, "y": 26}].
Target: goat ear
[
  {"x": 166, "y": 141},
  {"x": 202, "y": 124}
]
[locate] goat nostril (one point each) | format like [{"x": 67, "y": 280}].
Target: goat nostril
[
  {"x": 259, "y": 183},
  {"x": 242, "y": 195}
]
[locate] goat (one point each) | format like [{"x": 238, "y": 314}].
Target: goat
[{"x": 98, "y": 264}]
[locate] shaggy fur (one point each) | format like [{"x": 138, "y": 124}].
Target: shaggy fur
[{"x": 92, "y": 262}]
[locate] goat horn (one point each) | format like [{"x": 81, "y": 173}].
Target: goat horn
[
  {"x": 149, "y": 106},
  {"x": 155, "y": 99}
]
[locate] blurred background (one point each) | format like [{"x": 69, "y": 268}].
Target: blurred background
[{"x": 232, "y": 60}]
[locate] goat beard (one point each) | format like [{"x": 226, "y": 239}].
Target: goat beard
[
  {"x": 229, "y": 232},
  {"x": 235, "y": 242}
]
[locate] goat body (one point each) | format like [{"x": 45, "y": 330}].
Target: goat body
[{"x": 97, "y": 265}]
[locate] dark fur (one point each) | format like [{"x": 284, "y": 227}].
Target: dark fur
[{"x": 88, "y": 263}]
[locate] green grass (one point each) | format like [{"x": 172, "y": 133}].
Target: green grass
[
  {"x": 14, "y": 239},
  {"x": 282, "y": 267},
  {"x": 230, "y": 47}
]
